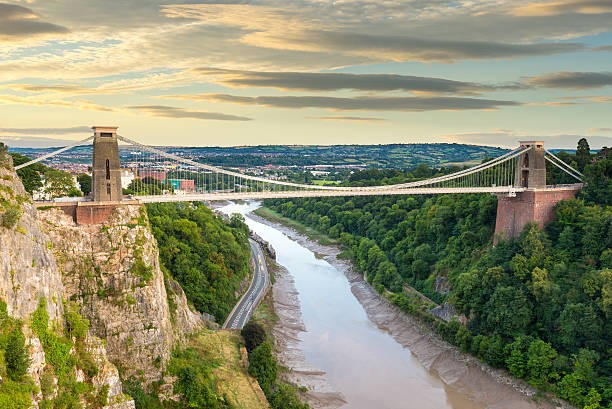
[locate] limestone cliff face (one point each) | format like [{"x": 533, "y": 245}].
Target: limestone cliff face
[
  {"x": 28, "y": 271},
  {"x": 27, "y": 267},
  {"x": 112, "y": 270}
]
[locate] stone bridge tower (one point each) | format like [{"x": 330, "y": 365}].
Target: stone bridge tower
[
  {"x": 106, "y": 175},
  {"x": 531, "y": 166},
  {"x": 537, "y": 202}
]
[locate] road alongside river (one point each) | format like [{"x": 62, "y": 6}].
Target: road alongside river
[
  {"x": 243, "y": 310},
  {"x": 352, "y": 350}
]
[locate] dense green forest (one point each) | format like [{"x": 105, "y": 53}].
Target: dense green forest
[
  {"x": 539, "y": 306},
  {"x": 206, "y": 255}
]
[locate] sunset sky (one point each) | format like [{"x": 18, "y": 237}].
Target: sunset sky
[{"x": 207, "y": 73}]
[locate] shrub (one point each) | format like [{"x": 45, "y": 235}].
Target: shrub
[
  {"x": 10, "y": 217},
  {"x": 140, "y": 269},
  {"x": 57, "y": 350},
  {"x": 16, "y": 395},
  {"x": 285, "y": 397},
  {"x": 77, "y": 326},
  {"x": 16, "y": 356},
  {"x": 263, "y": 366},
  {"x": 142, "y": 399}
]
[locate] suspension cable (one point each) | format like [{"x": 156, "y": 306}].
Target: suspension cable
[
  {"x": 48, "y": 155},
  {"x": 559, "y": 159},
  {"x": 565, "y": 170}
]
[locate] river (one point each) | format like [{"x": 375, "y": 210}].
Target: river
[{"x": 358, "y": 359}]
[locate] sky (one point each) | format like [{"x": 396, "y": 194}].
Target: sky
[{"x": 233, "y": 72}]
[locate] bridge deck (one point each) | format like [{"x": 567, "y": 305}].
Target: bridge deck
[{"x": 510, "y": 191}]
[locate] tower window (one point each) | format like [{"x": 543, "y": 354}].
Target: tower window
[
  {"x": 107, "y": 169},
  {"x": 526, "y": 161},
  {"x": 106, "y": 134}
]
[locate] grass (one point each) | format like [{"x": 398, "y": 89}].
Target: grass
[
  {"x": 231, "y": 373},
  {"x": 301, "y": 228}
]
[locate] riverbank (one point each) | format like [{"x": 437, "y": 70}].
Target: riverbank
[{"x": 461, "y": 373}]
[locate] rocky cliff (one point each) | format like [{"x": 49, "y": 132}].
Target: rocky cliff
[
  {"x": 27, "y": 267},
  {"x": 112, "y": 270},
  {"x": 28, "y": 274}
]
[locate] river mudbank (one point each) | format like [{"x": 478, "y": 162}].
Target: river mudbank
[
  {"x": 463, "y": 375},
  {"x": 319, "y": 393}
]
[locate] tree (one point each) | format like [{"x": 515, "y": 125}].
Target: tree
[
  {"x": 509, "y": 311},
  {"x": 516, "y": 352},
  {"x": 58, "y": 183},
  {"x": 85, "y": 182},
  {"x": 253, "y": 335},
  {"x": 598, "y": 177},
  {"x": 583, "y": 153},
  {"x": 540, "y": 358},
  {"x": 30, "y": 175}
]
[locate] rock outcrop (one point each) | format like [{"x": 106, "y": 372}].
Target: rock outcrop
[
  {"x": 107, "y": 375},
  {"x": 27, "y": 267},
  {"x": 112, "y": 270}
]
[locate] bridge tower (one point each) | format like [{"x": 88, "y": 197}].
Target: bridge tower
[
  {"x": 106, "y": 177},
  {"x": 531, "y": 169},
  {"x": 537, "y": 202}
]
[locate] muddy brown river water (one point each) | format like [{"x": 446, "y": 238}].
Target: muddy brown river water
[{"x": 353, "y": 350}]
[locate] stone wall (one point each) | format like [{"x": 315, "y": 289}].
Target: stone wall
[
  {"x": 513, "y": 213},
  {"x": 93, "y": 214}
]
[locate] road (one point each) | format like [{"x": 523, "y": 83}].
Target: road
[{"x": 243, "y": 310}]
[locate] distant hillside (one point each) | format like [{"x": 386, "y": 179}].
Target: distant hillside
[{"x": 399, "y": 156}]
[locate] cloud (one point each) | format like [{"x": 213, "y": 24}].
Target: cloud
[
  {"x": 47, "y": 131},
  {"x": 592, "y": 98},
  {"x": 348, "y": 118},
  {"x": 284, "y": 36},
  {"x": 361, "y": 103},
  {"x": 603, "y": 48},
  {"x": 332, "y": 81},
  {"x": 607, "y": 130},
  {"x": 44, "y": 102},
  {"x": 411, "y": 48},
  {"x": 17, "y": 22},
  {"x": 92, "y": 106},
  {"x": 571, "y": 80},
  {"x": 174, "y": 112},
  {"x": 13, "y": 99},
  {"x": 563, "y": 7},
  {"x": 423, "y": 31},
  {"x": 72, "y": 89},
  {"x": 553, "y": 103}
]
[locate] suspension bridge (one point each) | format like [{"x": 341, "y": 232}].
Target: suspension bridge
[{"x": 518, "y": 177}]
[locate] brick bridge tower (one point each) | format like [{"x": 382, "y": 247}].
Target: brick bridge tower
[
  {"x": 537, "y": 202},
  {"x": 106, "y": 175}
]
